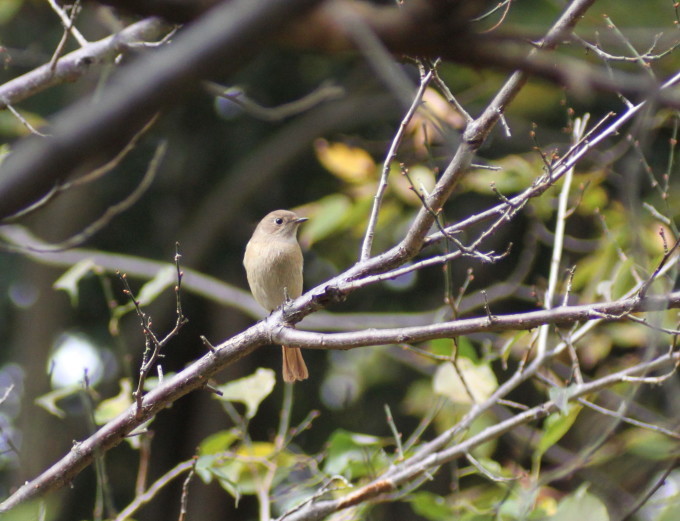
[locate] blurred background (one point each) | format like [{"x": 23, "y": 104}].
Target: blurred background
[{"x": 224, "y": 169}]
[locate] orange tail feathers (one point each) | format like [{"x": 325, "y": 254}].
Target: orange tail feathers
[{"x": 294, "y": 367}]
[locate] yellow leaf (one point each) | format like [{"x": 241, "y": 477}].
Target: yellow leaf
[
  {"x": 432, "y": 122},
  {"x": 423, "y": 182},
  {"x": 479, "y": 381},
  {"x": 112, "y": 407},
  {"x": 351, "y": 164}
]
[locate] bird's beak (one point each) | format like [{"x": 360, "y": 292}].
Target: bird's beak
[{"x": 300, "y": 220}]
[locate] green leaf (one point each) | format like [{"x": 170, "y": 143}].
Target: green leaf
[
  {"x": 650, "y": 445},
  {"x": 430, "y": 506},
  {"x": 69, "y": 280},
  {"x": 446, "y": 347},
  {"x": 581, "y": 505},
  {"x": 250, "y": 390},
  {"x": 166, "y": 276},
  {"x": 111, "y": 408},
  {"x": 8, "y": 8},
  {"x": 218, "y": 442},
  {"x": 241, "y": 471},
  {"x": 442, "y": 346},
  {"x": 254, "y": 460},
  {"x": 232, "y": 488},
  {"x": 467, "y": 350},
  {"x": 211, "y": 456},
  {"x": 354, "y": 455},
  {"x": 479, "y": 380},
  {"x": 554, "y": 428},
  {"x": 329, "y": 216}
]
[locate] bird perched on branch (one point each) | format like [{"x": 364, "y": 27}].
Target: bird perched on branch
[{"x": 273, "y": 262}]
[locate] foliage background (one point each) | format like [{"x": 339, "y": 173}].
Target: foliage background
[{"x": 224, "y": 169}]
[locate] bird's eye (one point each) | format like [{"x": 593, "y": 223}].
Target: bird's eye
[{"x": 278, "y": 220}]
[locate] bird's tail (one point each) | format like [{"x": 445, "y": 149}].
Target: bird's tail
[{"x": 294, "y": 367}]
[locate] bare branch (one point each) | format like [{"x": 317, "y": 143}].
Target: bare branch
[
  {"x": 436, "y": 452},
  {"x": 96, "y": 131},
  {"x": 142, "y": 499},
  {"x": 67, "y": 22},
  {"x": 387, "y": 164},
  {"x": 68, "y": 29},
  {"x": 608, "y": 311},
  {"x": 408, "y": 470},
  {"x": 76, "y": 64},
  {"x": 324, "y": 93}
]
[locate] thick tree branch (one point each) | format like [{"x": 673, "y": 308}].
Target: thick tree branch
[
  {"x": 477, "y": 131},
  {"x": 273, "y": 330},
  {"x": 89, "y": 133},
  {"x": 474, "y": 136},
  {"x": 74, "y": 65},
  {"x": 20, "y": 240},
  {"x": 111, "y": 434},
  {"x": 431, "y": 29},
  {"x": 276, "y": 328},
  {"x": 560, "y": 316}
]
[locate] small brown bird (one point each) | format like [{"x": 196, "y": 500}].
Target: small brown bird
[{"x": 273, "y": 262}]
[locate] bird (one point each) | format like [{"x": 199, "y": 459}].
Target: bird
[{"x": 273, "y": 263}]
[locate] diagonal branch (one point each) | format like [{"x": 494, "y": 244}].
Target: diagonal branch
[
  {"x": 387, "y": 165},
  {"x": 415, "y": 466},
  {"x": 478, "y": 130},
  {"x": 91, "y": 132},
  {"x": 175, "y": 70},
  {"x": 77, "y": 63}
]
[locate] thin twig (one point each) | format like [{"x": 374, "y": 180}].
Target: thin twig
[
  {"x": 284, "y": 418},
  {"x": 154, "y": 345},
  {"x": 629, "y": 421},
  {"x": 67, "y": 22},
  {"x": 75, "y": 10},
  {"x": 324, "y": 93},
  {"x": 144, "y": 462},
  {"x": 484, "y": 472},
  {"x": 395, "y": 432},
  {"x": 185, "y": 491},
  {"x": 660, "y": 482},
  {"x": 142, "y": 499},
  {"x": 22, "y": 119},
  {"x": 666, "y": 257},
  {"x": 387, "y": 163},
  {"x": 558, "y": 245},
  {"x": 87, "y": 178}
]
